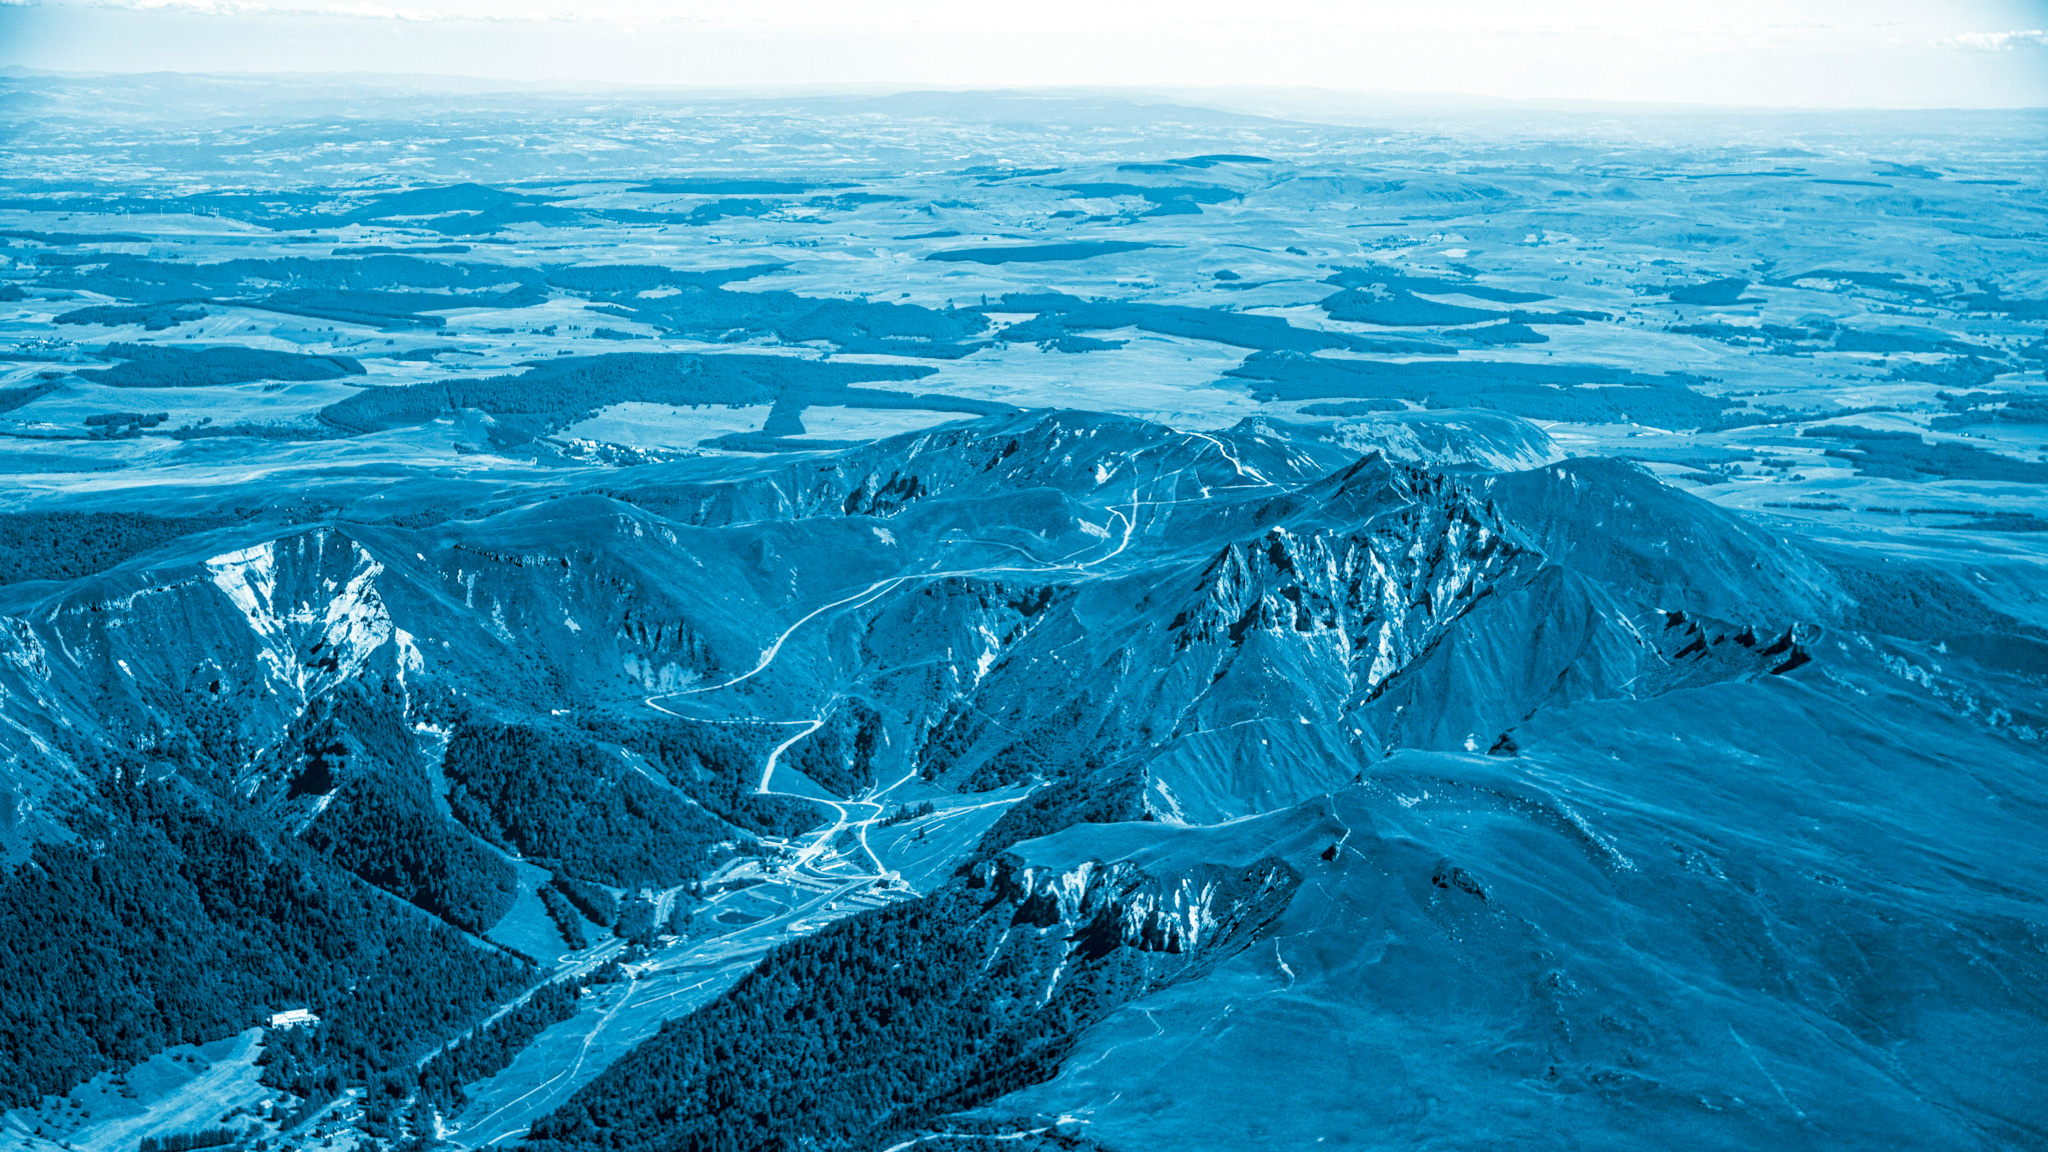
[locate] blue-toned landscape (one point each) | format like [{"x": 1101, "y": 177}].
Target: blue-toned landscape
[{"x": 634, "y": 619}]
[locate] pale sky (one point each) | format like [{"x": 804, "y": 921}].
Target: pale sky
[{"x": 1825, "y": 53}]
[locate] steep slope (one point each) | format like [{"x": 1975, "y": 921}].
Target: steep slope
[
  {"x": 1191, "y": 660},
  {"x": 882, "y": 1021},
  {"x": 1723, "y": 918}
]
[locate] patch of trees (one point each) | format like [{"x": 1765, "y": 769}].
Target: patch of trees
[
  {"x": 12, "y": 398},
  {"x": 66, "y": 238},
  {"x": 841, "y": 754},
  {"x": 172, "y": 921},
  {"x": 959, "y": 743},
  {"x": 568, "y": 921},
  {"x": 147, "y": 366},
  {"x": 1724, "y": 291},
  {"x": 386, "y": 310},
  {"x": 596, "y": 903},
  {"x": 1061, "y": 315},
  {"x": 1037, "y": 253},
  {"x": 186, "y": 1141},
  {"x": 393, "y": 310},
  {"x": 206, "y": 430},
  {"x": 152, "y": 317},
  {"x": 1577, "y": 393},
  {"x": 1859, "y": 340},
  {"x": 122, "y": 425},
  {"x": 565, "y": 803},
  {"x": 1111, "y": 798},
  {"x": 1905, "y": 456},
  {"x": 500, "y": 216},
  {"x": 733, "y": 186},
  {"x": 67, "y": 545},
  {"x": 440, "y": 200},
  {"x": 2019, "y": 308},
  {"x": 636, "y": 921},
  {"x": 1393, "y": 280},
  {"x": 709, "y": 213},
  {"x": 1167, "y": 199},
  {"x": 1073, "y": 741},
  {"x": 438, "y": 1086},
  {"x": 1972, "y": 408},
  {"x": 392, "y": 1017},
  {"x": 1400, "y": 308},
  {"x": 905, "y": 813},
  {"x": 717, "y": 764},
  {"x": 565, "y": 390},
  {"x": 1749, "y": 333},
  {"x": 1953, "y": 372},
  {"x": 410, "y": 249},
  {"x": 66, "y": 259},
  {"x": 714, "y": 313},
  {"x": 612, "y": 279}
]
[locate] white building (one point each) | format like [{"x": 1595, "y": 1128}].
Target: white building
[{"x": 293, "y": 1018}]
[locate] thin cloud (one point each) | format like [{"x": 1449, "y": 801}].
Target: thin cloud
[
  {"x": 350, "y": 11},
  {"x": 1997, "y": 41}
]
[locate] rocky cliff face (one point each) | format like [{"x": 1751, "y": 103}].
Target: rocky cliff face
[{"x": 1208, "y": 912}]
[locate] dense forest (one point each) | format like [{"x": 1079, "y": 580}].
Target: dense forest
[
  {"x": 569, "y": 805},
  {"x": 355, "y": 744},
  {"x": 172, "y": 921},
  {"x": 67, "y": 545},
  {"x": 718, "y": 764},
  {"x": 383, "y": 827},
  {"x": 841, "y": 1038},
  {"x": 841, "y": 753},
  {"x": 886, "y": 1019}
]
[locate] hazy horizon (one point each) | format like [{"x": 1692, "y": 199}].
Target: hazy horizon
[{"x": 1810, "y": 54}]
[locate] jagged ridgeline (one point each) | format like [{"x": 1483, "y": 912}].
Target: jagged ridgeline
[{"x": 1233, "y": 694}]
